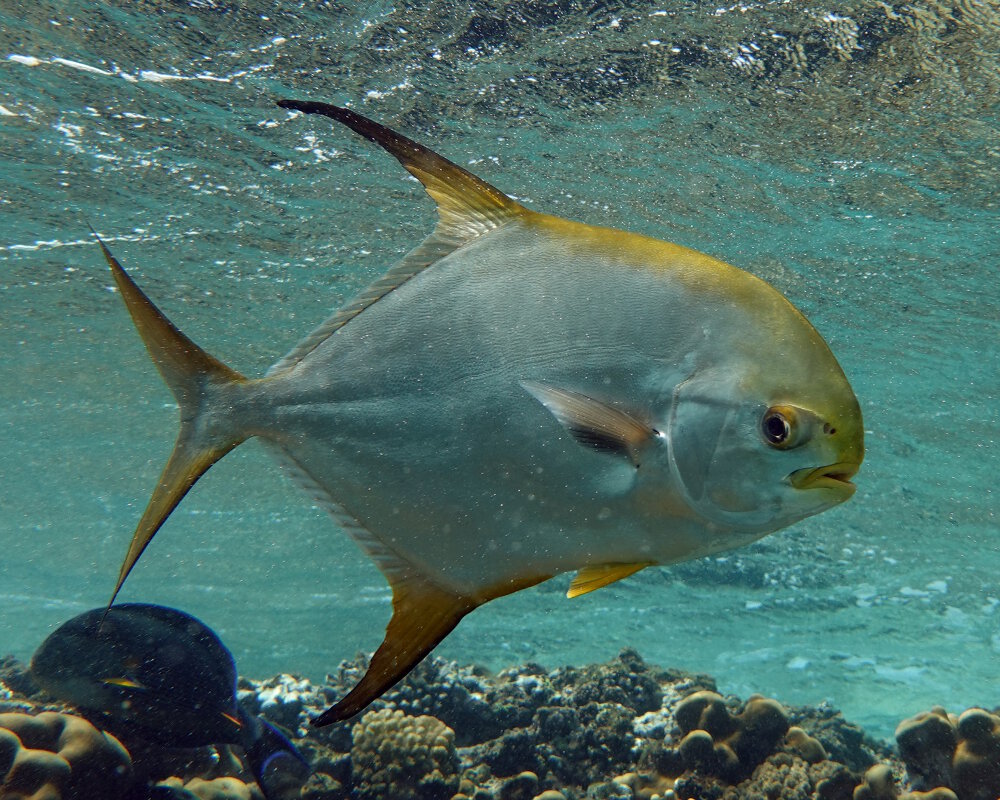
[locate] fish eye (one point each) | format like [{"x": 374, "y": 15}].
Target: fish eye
[{"x": 779, "y": 427}]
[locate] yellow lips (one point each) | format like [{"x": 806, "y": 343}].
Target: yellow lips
[{"x": 832, "y": 476}]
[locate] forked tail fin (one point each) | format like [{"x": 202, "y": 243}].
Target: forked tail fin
[{"x": 195, "y": 378}]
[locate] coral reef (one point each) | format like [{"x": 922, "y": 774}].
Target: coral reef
[
  {"x": 753, "y": 748},
  {"x": 620, "y": 729},
  {"x": 880, "y": 784},
  {"x": 962, "y": 754},
  {"x": 281, "y": 699},
  {"x": 454, "y": 694},
  {"x": 60, "y": 757},
  {"x": 227, "y": 788},
  {"x": 717, "y": 742},
  {"x": 623, "y": 730},
  {"x": 398, "y": 757}
]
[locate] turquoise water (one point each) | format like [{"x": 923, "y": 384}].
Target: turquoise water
[{"x": 848, "y": 156}]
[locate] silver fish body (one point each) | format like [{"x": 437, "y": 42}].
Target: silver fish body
[
  {"x": 415, "y": 418},
  {"x": 523, "y": 396}
]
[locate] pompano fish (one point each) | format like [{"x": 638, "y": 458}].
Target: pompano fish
[
  {"x": 164, "y": 676},
  {"x": 523, "y": 396}
]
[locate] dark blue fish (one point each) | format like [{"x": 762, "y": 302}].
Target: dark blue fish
[{"x": 162, "y": 675}]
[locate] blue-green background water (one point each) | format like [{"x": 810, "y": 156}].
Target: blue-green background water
[{"x": 849, "y": 154}]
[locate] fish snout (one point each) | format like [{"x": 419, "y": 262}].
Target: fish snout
[{"x": 831, "y": 476}]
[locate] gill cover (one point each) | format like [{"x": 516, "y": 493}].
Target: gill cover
[{"x": 728, "y": 472}]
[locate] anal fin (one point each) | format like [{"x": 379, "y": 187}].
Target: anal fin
[
  {"x": 590, "y": 578},
  {"x": 422, "y": 615}
]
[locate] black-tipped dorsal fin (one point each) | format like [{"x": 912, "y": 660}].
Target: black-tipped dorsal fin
[
  {"x": 466, "y": 203},
  {"x": 468, "y": 207},
  {"x": 590, "y": 578}
]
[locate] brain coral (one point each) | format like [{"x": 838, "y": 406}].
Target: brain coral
[
  {"x": 397, "y": 757},
  {"x": 880, "y": 784},
  {"x": 959, "y": 753},
  {"x": 926, "y": 744},
  {"x": 226, "y": 788},
  {"x": 60, "y": 757},
  {"x": 728, "y": 745}
]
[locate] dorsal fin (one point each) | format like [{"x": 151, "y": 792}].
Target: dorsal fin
[
  {"x": 462, "y": 198},
  {"x": 467, "y": 206}
]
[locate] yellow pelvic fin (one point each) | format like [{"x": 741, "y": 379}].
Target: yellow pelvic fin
[
  {"x": 422, "y": 615},
  {"x": 193, "y": 376},
  {"x": 590, "y": 578},
  {"x": 594, "y": 423}
]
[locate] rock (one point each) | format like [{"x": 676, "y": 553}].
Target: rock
[
  {"x": 976, "y": 762},
  {"x": 645, "y": 786},
  {"x": 842, "y": 741},
  {"x": 225, "y": 788},
  {"x": 926, "y": 744},
  {"x": 803, "y": 745},
  {"x": 879, "y": 784},
  {"x": 321, "y": 786}
]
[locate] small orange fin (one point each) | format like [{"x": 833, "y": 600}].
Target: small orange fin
[
  {"x": 194, "y": 377},
  {"x": 422, "y": 615},
  {"x": 590, "y": 578}
]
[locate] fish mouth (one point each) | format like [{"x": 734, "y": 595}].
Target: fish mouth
[{"x": 832, "y": 476}]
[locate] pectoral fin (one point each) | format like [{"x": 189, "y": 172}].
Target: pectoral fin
[
  {"x": 590, "y": 578},
  {"x": 594, "y": 423},
  {"x": 422, "y": 615}
]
